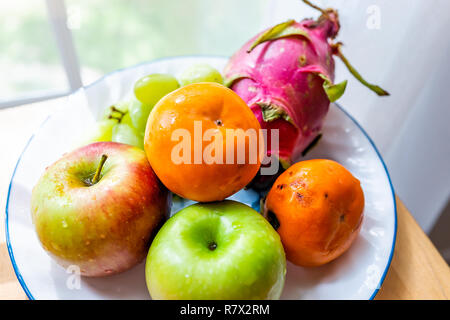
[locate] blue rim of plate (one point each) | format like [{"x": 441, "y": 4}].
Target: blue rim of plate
[{"x": 8, "y": 242}]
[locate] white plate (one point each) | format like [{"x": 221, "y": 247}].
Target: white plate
[{"x": 357, "y": 274}]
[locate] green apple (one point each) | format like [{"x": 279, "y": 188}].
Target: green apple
[
  {"x": 221, "y": 250},
  {"x": 97, "y": 208}
]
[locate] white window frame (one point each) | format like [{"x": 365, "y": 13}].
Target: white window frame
[{"x": 57, "y": 17}]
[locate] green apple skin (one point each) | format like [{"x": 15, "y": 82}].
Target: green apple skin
[
  {"x": 247, "y": 263},
  {"x": 104, "y": 228}
]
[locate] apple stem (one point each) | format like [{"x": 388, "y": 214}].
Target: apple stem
[{"x": 96, "y": 177}]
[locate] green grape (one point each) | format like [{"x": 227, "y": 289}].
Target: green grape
[
  {"x": 125, "y": 133},
  {"x": 101, "y": 131},
  {"x": 126, "y": 119},
  {"x": 117, "y": 110},
  {"x": 150, "y": 89},
  {"x": 139, "y": 113},
  {"x": 122, "y": 105},
  {"x": 200, "y": 73}
]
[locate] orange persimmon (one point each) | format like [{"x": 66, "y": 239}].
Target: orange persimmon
[
  {"x": 203, "y": 142},
  {"x": 317, "y": 208}
]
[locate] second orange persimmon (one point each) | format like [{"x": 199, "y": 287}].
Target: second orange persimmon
[
  {"x": 203, "y": 142},
  {"x": 317, "y": 208}
]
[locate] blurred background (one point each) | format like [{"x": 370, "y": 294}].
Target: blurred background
[{"x": 49, "y": 48}]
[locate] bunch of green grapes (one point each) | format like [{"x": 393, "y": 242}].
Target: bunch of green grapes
[
  {"x": 126, "y": 121},
  {"x": 115, "y": 125}
]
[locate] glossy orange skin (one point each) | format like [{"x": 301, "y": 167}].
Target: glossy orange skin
[
  {"x": 218, "y": 108},
  {"x": 319, "y": 207}
]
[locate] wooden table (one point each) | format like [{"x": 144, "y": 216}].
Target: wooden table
[{"x": 417, "y": 270}]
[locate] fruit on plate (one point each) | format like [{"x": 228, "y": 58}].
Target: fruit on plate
[
  {"x": 222, "y": 250},
  {"x": 139, "y": 114},
  {"x": 151, "y": 88},
  {"x": 125, "y": 121},
  {"x": 117, "y": 111},
  {"x": 97, "y": 208},
  {"x": 202, "y": 140},
  {"x": 200, "y": 72},
  {"x": 124, "y": 133},
  {"x": 111, "y": 126},
  {"x": 286, "y": 75},
  {"x": 101, "y": 131},
  {"x": 317, "y": 208}
]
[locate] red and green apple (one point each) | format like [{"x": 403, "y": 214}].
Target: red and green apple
[{"x": 98, "y": 208}]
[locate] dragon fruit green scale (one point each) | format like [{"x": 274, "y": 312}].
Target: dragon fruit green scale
[
  {"x": 286, "y": 76},
  {"x": 282, "y": 81}
]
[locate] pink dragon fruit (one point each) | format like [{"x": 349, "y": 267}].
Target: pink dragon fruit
[{"x": 286, "y": 74}]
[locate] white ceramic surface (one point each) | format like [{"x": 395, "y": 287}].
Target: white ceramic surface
[{"x": 355, "y": 275}]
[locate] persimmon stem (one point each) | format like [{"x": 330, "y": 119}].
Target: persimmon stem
[{"x": 96, "y": 177}]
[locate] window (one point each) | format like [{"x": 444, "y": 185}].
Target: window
[
  {"x": 29, "y": 61},
  {"x": 52, "y": 47}
]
